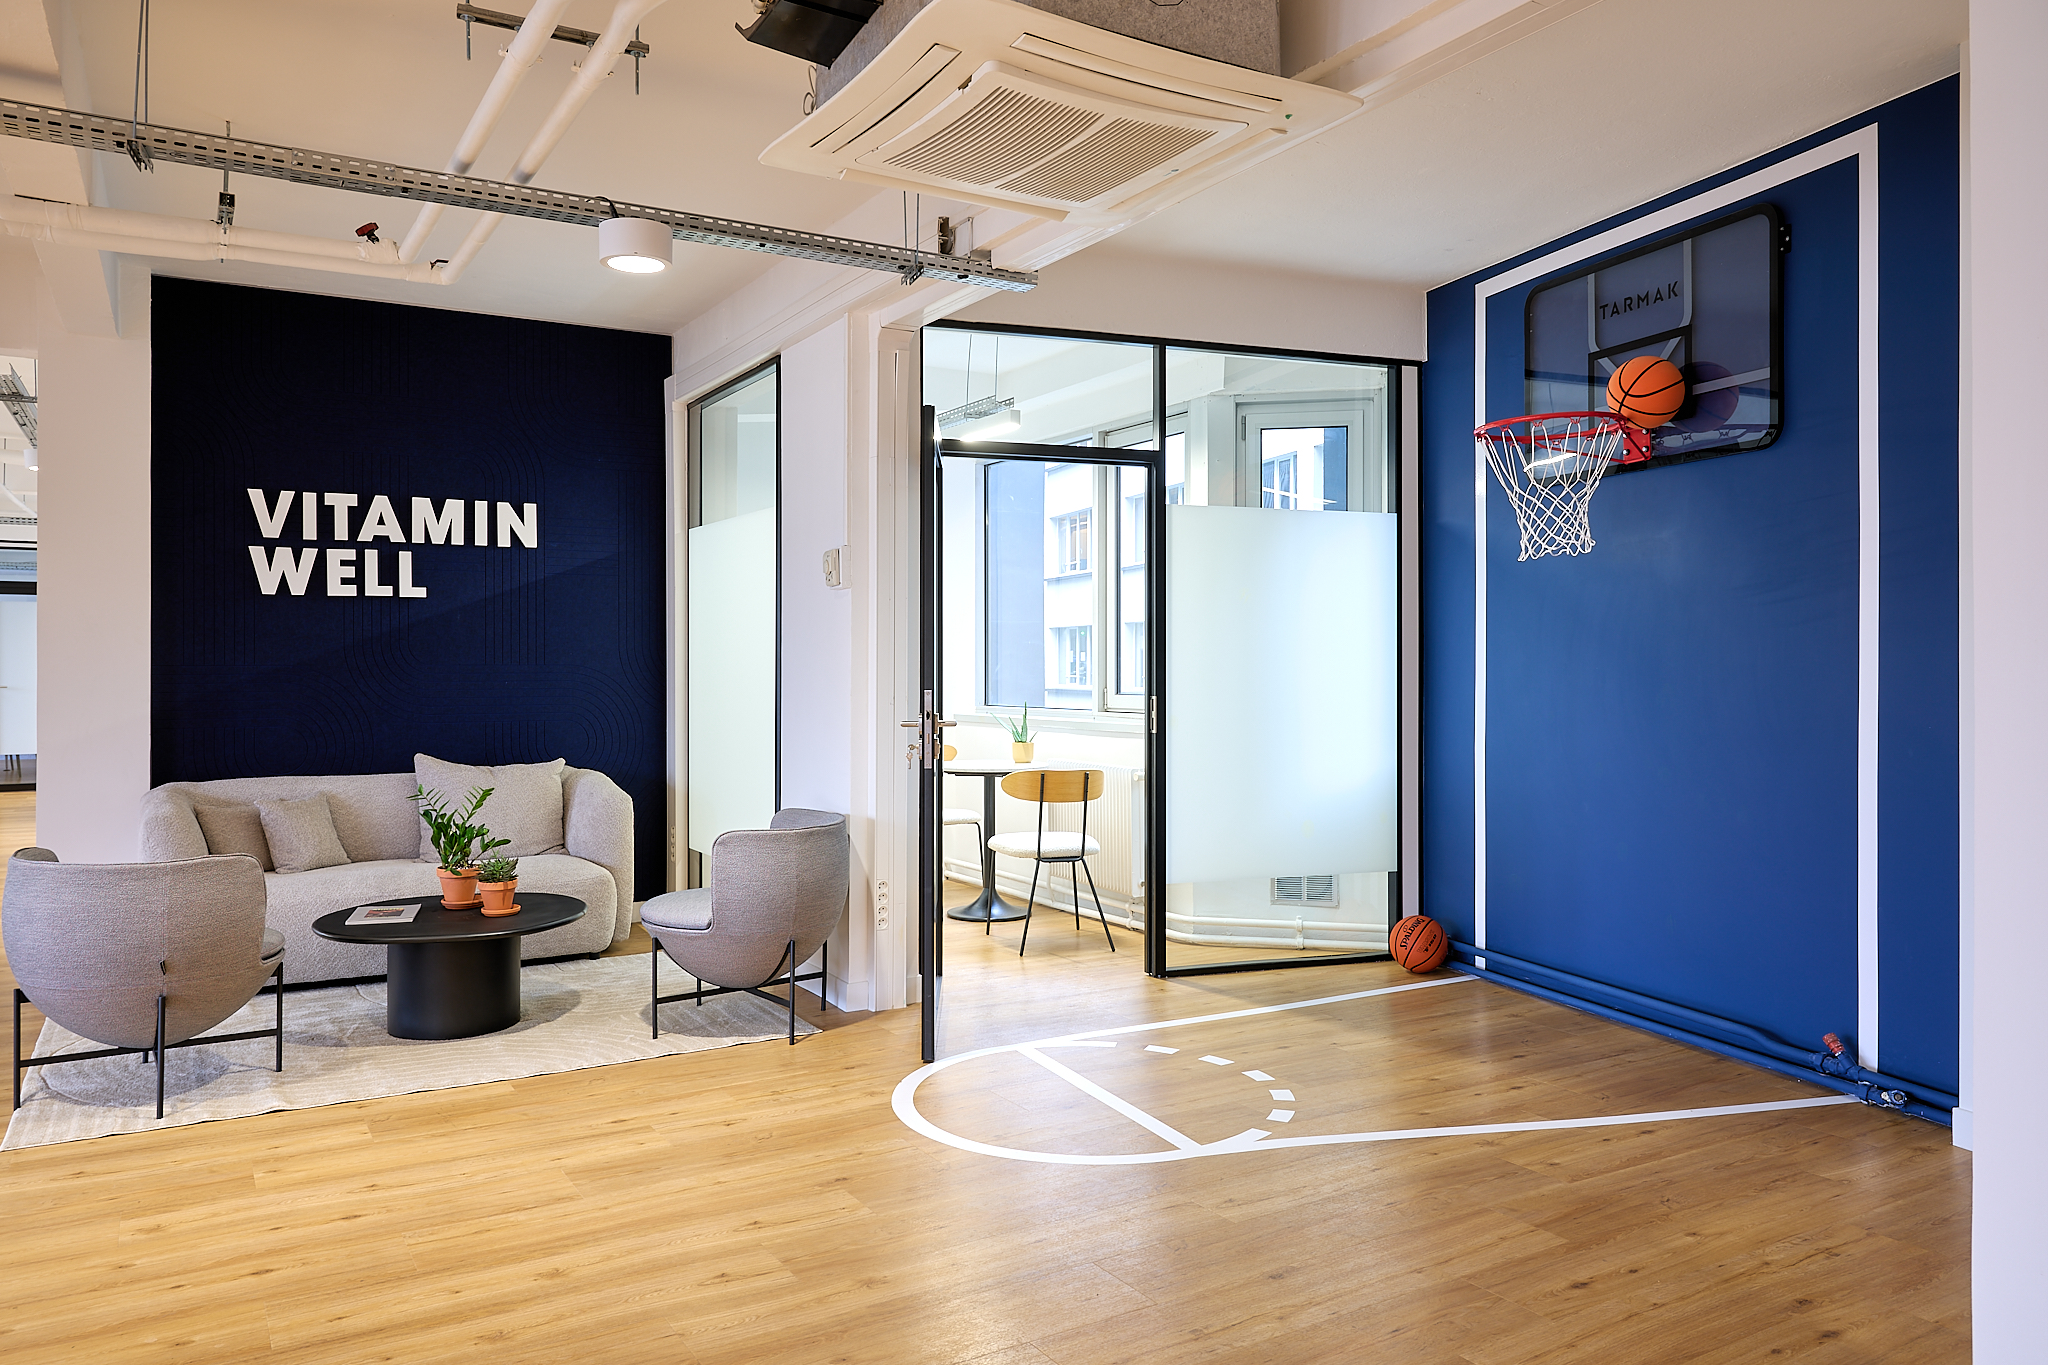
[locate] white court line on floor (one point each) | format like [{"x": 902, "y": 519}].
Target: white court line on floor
[
  {"x": 1287, "y": 1095},
  {"x": 1154, "y": 1047},
  {"x": 1258, "y": 1139},
  {"x": 1116, "y": 1102},
  {"x": 1280, "y": 1116},
  {"x": 1219, "y": 1061}
]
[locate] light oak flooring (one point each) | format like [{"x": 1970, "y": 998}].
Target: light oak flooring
[{"x": 762, "y": 1205}]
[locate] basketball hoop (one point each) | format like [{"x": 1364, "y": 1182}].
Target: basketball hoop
[{"x": 1550, "y": 464}]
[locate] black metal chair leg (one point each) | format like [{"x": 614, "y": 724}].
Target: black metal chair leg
[
  {"x": 18, "y": 998},
  {"x": 1098, "y": 906},
  {"x": 1029, "y": 904},
  {"x": 280, "y": 1014},
  {"x": 159, "y": 1056},
  {"x": 791, "y": 950},
  {"x": 654, "y": 992},
  {"x": 824, "y": 976}
]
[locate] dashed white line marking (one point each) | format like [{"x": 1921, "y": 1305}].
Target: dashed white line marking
[
  {"x": 1287, "y": 1095},
  {"x": 1280, "y": 1116},
  {"x": 1217, "y": 1061},
  {"x": 1154, "y": 1047},
  {"x": 1255, "y": 1075}
]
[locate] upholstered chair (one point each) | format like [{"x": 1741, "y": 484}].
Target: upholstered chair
[
  {"x": 139, "y": 956},
  {"x": 775, "y": 895}
]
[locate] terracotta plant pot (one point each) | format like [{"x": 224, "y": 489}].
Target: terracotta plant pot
[
  {"x": 1020, "y": 753},
  {"x": 498, "y": 897},
  {"x": 458, "y": 889}
]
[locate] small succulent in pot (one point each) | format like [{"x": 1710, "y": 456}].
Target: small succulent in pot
[
  {"x": 458, "y": 842},
  {"x": 1020, "y": 736},
  {"x": 496, "y": 879}
]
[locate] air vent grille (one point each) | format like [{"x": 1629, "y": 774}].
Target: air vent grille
[
  {"x": 1118, "y": 152},
  {"x": 1005, "y": 133},
  {"x": 1319, "y": 888}
]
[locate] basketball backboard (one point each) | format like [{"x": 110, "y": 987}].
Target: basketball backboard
[{"x": 1705, "y": 299}]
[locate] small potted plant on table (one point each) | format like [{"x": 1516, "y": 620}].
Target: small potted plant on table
[
  {"x": 458, "y": 841},
  {"x": 1020, "y": 736},
  {"x": 497, "y": 878}
]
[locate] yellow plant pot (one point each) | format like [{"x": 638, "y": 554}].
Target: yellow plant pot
[{"x": 1020, "y": 753}]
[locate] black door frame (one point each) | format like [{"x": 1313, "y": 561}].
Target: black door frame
[{"x": 933, "y": 450}]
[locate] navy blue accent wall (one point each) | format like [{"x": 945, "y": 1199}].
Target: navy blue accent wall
[
  {"x": 1671, "y": 727},
  {"x": 514, "y": 655}
]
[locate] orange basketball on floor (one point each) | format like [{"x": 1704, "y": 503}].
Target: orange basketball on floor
[
  {"x": 1647, "y": 390},
  {"x": 1419, "y": 943}
]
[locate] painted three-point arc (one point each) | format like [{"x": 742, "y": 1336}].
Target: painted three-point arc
[{"x": 279, "y": 566}]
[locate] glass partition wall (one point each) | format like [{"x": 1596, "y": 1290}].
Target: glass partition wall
[
  {"x": 1239, "y": 692},
  {"x": 733, "y": 685}
]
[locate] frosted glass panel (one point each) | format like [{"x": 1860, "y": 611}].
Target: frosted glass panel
[
  {"x": 732, "y": 676},
  {"x": 1282, "y": 705}
]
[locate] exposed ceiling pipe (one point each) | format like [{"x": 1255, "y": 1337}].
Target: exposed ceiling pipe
[
  {"x": 191, "y": 239},
  {"x": 217, "y": 151},
  {"x": 596, "y": 67},
  {"x": 522, "y": 54}
]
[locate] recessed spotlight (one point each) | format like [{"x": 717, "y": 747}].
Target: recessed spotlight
[{"x": 638, "y": 246}]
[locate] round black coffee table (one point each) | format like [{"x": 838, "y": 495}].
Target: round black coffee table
[{"x": 452, "y": 973}]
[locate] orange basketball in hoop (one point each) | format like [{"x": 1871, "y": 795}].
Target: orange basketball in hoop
[
  {"x": 1648, "y": 390},
  {"x": 1419, "y": 943}
]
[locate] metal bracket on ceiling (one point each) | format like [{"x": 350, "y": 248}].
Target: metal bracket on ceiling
[{"x": 582, "y": 37}]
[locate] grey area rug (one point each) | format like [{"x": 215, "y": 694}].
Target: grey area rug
[{"x": 573, "y": 1015}]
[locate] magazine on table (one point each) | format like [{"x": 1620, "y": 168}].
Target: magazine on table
[{"x": 383, "y": 914}]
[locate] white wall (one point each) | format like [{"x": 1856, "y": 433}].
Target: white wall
[
  {"x": 93, "y": 629},
  {"x": 817, "y": 621},
  {"x": 1108, "y": 289},
  {"x": 2006, "y": 662}
]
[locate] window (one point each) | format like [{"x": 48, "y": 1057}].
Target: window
[
  {"x": 1070, "y": 541},
  {"x": 1134, "y": 658},
  {"x": 1304, "y": 469},
  {"x": 1070, "y": 657}
]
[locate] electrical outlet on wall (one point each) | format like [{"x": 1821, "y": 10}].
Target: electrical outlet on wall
[{"x": 881, "y": 905}]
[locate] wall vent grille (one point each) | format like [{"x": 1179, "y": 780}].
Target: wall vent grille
[
  {"x": 1115, "y": 154},
  {"x": 1317, "y": 888},
  {"x": 1004, "y": 134}
]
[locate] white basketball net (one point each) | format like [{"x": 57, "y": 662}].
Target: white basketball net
[{"x": 1549, "y": 466}]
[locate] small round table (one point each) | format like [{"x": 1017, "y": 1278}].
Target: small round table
[
  {"x": 989, "y": 907},
  {"x": 452, "y": 973}
]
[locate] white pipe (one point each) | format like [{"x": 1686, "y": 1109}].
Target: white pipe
[
  {"x": 192, "y": 239},
  {"x": 521, "y": 55},
  {"x": 597, "y": 66}
]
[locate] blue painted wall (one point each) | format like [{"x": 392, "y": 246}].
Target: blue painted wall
[
  {"x": 1671, "y": 719},
  {"x": 514, "y": 655}
]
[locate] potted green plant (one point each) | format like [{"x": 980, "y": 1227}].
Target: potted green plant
[
  {"x": 458, "y": 841},
  {"x": 497, "y": 877},
  {"x": 1020, "y": 736}
]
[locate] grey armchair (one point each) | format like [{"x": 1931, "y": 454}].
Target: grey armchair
[
  {"x": 140, "y": 956},
  {"x": 775, "y": 895}
]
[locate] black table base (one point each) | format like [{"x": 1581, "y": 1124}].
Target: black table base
[
  {"x": 987, "y": 908},
  {"x": 452, "y": 989}
]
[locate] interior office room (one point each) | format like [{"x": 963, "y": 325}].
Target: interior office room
[{"x": 995, "y": 682}]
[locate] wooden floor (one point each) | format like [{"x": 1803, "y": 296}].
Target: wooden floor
[{"x": 763, "y": 1205}]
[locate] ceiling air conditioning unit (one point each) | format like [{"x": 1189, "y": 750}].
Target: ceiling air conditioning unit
[{"x": 1004, "y": 104}]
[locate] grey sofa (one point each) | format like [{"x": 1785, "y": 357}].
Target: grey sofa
[
  {"x": 138, "y": 955},
  {"x": 380, "y": 830}
]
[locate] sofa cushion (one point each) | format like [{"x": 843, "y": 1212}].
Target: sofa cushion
[
  {"x": 301, "y": 834},
  {"x": 233, "y": 827},
  {"x": 297, "y": 900},
  {"x": 525, "y": 806}
]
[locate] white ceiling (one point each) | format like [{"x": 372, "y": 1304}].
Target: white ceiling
[
  {"x": 1600, "y": 111},
  {"x": 1603, "y": 110},
  {"x": 386, "y": 79}
]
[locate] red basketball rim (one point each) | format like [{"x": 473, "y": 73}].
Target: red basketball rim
[{"x": 1635, "y": 440}]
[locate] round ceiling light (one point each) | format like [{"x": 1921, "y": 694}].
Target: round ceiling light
[{"x": 639, "y": 246}]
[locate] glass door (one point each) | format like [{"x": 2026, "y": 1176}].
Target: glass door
[{"x": 1282, "y": 701}]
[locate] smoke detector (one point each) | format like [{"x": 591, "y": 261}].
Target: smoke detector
[{"x": 1004, "y": 104}]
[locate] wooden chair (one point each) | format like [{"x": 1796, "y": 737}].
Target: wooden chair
[{"x": 1055, "y": 846}]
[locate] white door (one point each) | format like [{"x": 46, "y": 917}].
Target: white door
[{"x": 17, "y": 675}]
